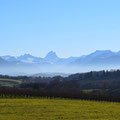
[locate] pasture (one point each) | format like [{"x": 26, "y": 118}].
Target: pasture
[
  {"x": 9, "y": 82},
  {"x": 57, "y": 109}
]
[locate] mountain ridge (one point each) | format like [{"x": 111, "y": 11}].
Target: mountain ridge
[
  {"x": 100, "y": 59},
  {"x": 52, "y": 57}
]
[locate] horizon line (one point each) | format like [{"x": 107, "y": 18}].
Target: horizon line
[{"x": 58, "y": 55}]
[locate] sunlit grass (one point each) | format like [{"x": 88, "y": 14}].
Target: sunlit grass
[
  {"x": 57, "y": 109},
  {"x": 9, "y": 82}
]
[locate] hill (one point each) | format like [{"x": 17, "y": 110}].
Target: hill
[{"x": 9, "y": 82}]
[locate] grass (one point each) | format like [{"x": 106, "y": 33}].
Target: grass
[
  {"x": 57, "y": 109},
  {"x": 9, "y": 82}
]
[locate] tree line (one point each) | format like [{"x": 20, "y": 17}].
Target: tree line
[{"x": 103, "y": 85}]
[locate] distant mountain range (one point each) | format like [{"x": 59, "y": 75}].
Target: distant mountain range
[
  {"x": 100, "y": 58},
  {"x": 97, "y": 57},
  {"x": 50, "y": 74}
]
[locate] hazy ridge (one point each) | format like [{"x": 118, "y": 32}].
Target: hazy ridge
[{"x": 28, "y": 64}]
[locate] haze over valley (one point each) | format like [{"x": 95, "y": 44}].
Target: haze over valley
[{"x": 27, "y": 64}]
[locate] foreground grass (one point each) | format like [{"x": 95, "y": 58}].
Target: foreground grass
[{"x": 57, "y": 109}]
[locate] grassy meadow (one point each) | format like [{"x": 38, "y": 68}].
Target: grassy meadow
[
  {"x": 57, "y": 109},
  {"x": 9, "y": 82}
]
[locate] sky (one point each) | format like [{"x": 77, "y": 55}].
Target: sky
[{"x": 68, "y": 27}]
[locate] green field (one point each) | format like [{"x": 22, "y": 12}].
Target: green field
[
  {"x": 57, "y": 109},
  {"x": 9, "y": 82}
]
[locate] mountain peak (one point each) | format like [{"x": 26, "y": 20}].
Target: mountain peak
[
  {"x": 27, "y": 55},
  {"x": 104, "y": 53},
  {"x": 51, "y": 56}
]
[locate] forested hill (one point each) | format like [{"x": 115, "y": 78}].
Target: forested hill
[
  {"x": 90, "y": 80},
  {"x": 101, "y": 85}
]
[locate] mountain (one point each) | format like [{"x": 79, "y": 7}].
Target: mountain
[
  {"x": 50, "y": 74},
  {"x": 100, "y": 59},
  {"x": 51, "y": 57},
  {"x": 118, "y": 53},
  {"x": 102, "y": 53},
  {"x": 97, "y": 57},
  {"x": 27, "y": 58},
  {"x": 4, "y": 62},
  {"x": 9, "y": 58}
]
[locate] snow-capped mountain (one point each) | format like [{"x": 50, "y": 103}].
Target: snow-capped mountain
[
  {"x": 9, "y": 58},
  {"x": 27, "y": 58},
  {"x": 102, "y": 53},
  {"x": 4, "y": 62},
  {"x": 98, "y": 58}
]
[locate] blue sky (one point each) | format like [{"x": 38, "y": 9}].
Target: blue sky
[{"x": 68, "y": 27}]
